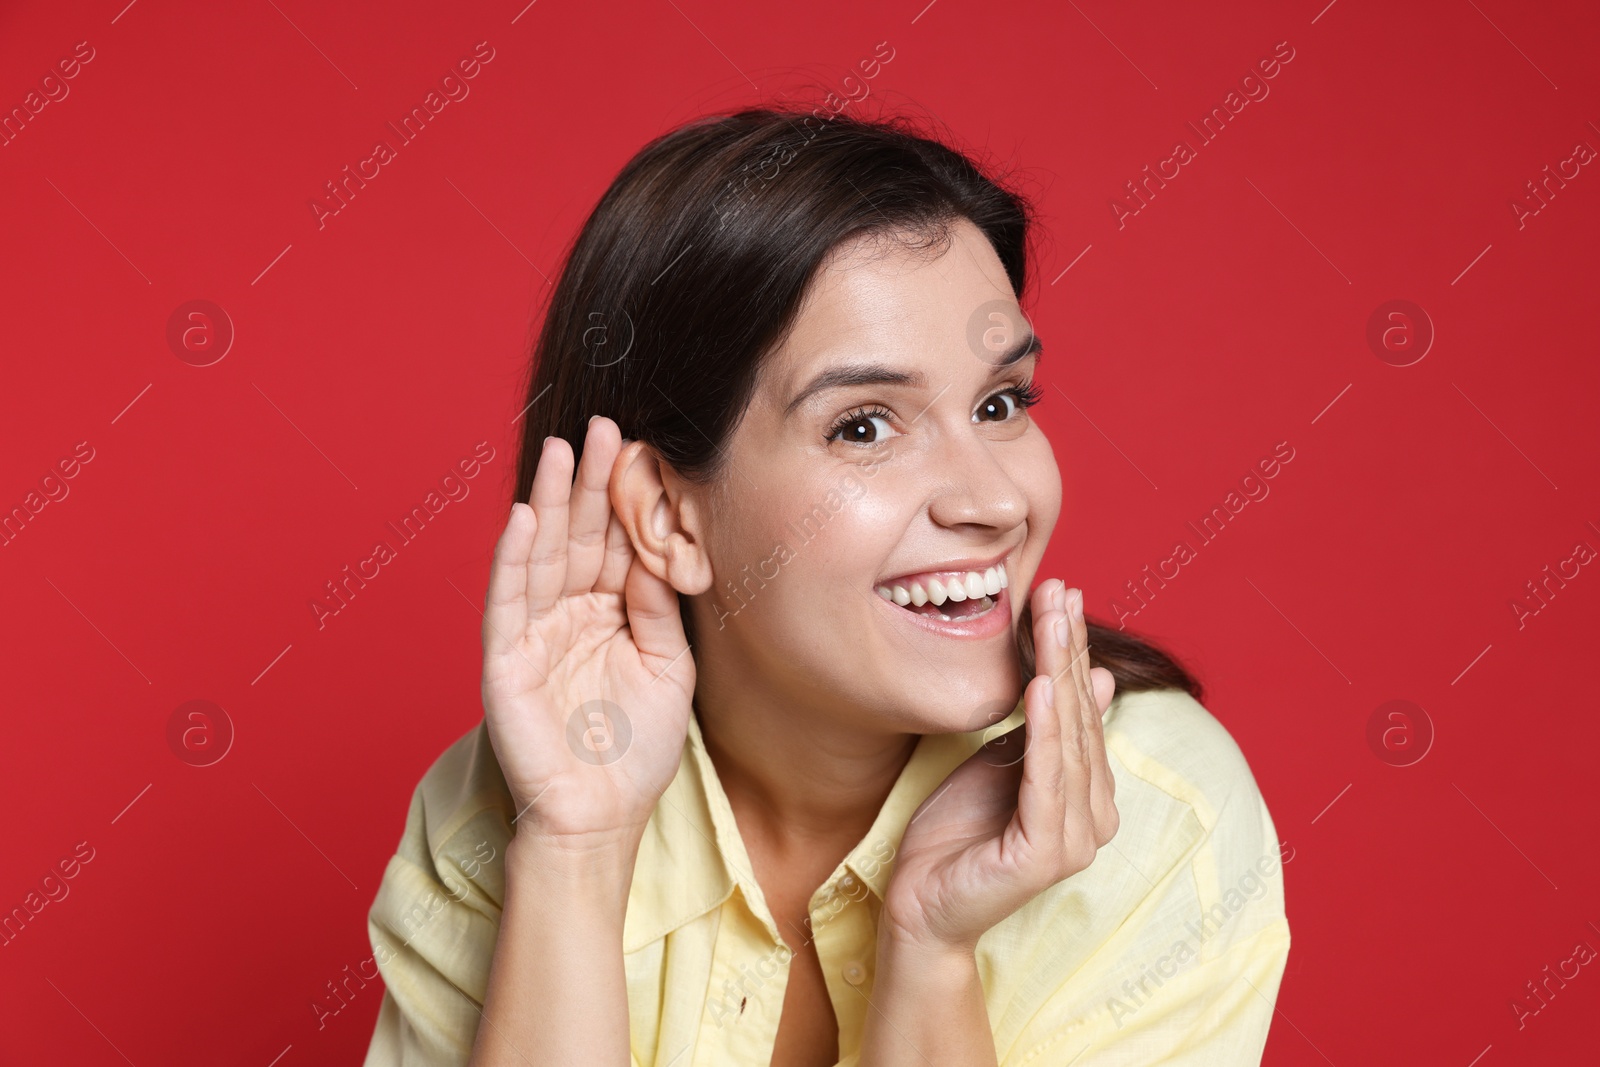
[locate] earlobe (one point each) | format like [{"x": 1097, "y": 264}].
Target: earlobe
[{"x": 660, "y": 517}]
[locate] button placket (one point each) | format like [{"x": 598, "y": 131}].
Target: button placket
[{"x": 846, "y": 948}]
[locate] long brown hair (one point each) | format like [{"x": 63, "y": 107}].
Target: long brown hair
[{"x": 691, "y": 268}]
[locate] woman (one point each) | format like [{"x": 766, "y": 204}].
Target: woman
[{"x": 766, "y": 772}]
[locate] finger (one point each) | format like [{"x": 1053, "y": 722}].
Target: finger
[
  {"x": 1057, "y": 639},
  {"x": 1048, "y": 657},
  {"x": 1042, "y": 798},
  {"x": 619, "y": 549},
  {"x": 547, "y": 560},
  {"x": 654, "y": 620},
  {"x": 505, "y": 611},
  {"x": 1041, "y": 802},
  {"x": 1103, "y": 685},
  {"x": 1098, "y": 807},
  {"x": 1067, "y": 653},
  {"x": 1077, "y": 630},
  {"x": 619, "y": 556},
  {"x": 1105, "y": 691},
  {"x": 590, "y": 506}
]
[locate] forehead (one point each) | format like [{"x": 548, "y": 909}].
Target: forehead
[{"x": 874, "y": 295}]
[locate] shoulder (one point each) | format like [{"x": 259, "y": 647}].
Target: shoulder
[
  {"x": 461, "y": 789},
  {"x": 461, "y": 808},
  {"x": 439, "y": 902},
  {"x": 1181, "y": 774},
  {"x": 436, "y": 916},
  {"x": 1170, "y": 741},
  {"x": 1195, "y": 861}
]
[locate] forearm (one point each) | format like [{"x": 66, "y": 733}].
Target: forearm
[
  {"x": 927, "y": 1008},
  {"x": 557, "y": 990}
]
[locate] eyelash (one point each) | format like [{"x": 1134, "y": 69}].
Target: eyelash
[{"x": 1026, "y": 394}]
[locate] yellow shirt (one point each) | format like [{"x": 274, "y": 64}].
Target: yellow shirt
[{"x": 1167, "y": 949}]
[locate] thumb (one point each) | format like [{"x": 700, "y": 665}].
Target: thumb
[{"x": 653, "y": 616}]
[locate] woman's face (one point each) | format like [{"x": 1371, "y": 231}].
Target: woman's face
[{"x": 885, "y": 452}]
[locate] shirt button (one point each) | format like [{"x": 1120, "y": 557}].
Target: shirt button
[{"x": 854, "y": 973}]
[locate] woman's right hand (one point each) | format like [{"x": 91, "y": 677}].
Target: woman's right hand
[{"x": 587, "y": 679}]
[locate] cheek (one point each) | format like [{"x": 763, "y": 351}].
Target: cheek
[
  {"x": 840, "y": 528},
  {"x": 744, "y": 536},
  {"x": 1035, "y": 473},
  {"x": 810, "y": 533},
  {"x": 823, "y": 541}
]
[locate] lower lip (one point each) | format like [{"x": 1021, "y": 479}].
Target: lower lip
[{"x": 994, "y": 621}]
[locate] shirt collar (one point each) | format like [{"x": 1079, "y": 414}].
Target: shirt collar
[{"x": 691, "y": 857}]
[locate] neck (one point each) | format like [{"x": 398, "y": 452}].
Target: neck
[{"x": 798, "y": 780}]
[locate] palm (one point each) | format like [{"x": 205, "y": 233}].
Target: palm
[
  {"x": 587, "y": 683},
  {"x": 1023, "y": 812},
  {"x": 954, "y": 848}
]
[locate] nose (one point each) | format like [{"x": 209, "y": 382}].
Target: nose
[{"x": 976, "y": 488}]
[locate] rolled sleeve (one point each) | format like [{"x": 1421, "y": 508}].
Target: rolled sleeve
[
  {"x": 432, "y": 941},
  {"x": 436, "y": 917}
]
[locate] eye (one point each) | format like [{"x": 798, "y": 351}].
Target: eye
[
  {"x": 1008, "y": 402},
  {"x": 861, "y": 427}
]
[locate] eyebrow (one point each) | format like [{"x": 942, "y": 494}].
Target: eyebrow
[{"x": 881, "y": 374}]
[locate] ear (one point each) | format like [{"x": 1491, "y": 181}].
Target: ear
[{"x": 664, "y": 517}]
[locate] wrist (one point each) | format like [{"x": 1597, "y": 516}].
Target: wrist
[
  {"x": 913, "y": 973},
  {"x": 917, "y": 952},
  {"x": 620, "y": 843},
  {"x": 595, "y": 869}
]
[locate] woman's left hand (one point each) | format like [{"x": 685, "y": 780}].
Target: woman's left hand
[{"x": 999, "y": 830}]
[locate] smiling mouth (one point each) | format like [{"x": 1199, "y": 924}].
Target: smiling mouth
[{"x": 949, "y": 595}]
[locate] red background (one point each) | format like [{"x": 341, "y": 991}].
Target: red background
[{"x": 374, "y": 352}]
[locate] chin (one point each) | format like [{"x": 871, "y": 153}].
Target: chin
[{"x": 928, "y": 710}]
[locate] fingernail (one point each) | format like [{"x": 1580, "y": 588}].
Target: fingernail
[
  {"x": 593, "y": 417},
  {"x": 1077, "y": 603},
  {"x": 1061, "y": 594},
  {"x": 1060, "y": 629}
]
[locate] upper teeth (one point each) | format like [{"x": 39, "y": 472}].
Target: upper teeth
[{"x": 955, "y": 588}]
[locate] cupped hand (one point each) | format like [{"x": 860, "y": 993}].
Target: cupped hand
[
  {"x": 999, "y": 831},
  {"x": 587, "y": 679}
]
